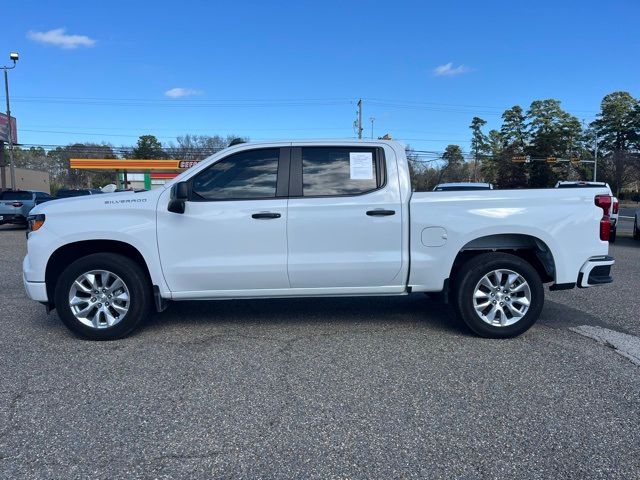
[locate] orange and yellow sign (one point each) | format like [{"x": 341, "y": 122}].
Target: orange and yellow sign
[{"x": 128, "y": 164}]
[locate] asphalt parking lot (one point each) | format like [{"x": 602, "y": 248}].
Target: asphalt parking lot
[{"x": 328, "y": 388}]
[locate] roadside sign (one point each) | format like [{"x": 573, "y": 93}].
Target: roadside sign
[
  {"x": 519, "y": 159},
  {"x": 4, "y": 129},
  {"x": 552, "y": 159},
  {"x": 184, "y": 164}
]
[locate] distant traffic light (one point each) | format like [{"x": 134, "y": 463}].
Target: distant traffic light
[{"x": 575, "y": 160}]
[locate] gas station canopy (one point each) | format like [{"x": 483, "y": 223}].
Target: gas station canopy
[{"x": 130, "y": 165}]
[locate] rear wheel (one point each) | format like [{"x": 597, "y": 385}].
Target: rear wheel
[
  {"x": 103, "y": 296},
  {"x": 498, "y": 295},
  {"x": 636, "y": 230}
]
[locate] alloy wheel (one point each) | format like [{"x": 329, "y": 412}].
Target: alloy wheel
[
  {"x": 501, "y": 297},
  {"x": 99, "y": 299}
]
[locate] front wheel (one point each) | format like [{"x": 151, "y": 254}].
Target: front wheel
[
  {"x": 498, "y": 295},
  {"x": 103, "y": 296}
]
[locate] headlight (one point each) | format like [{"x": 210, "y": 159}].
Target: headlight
[{"x": 35, "y": 222}]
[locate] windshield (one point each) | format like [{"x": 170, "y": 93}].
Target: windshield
[{"x": 15, "y": 195}]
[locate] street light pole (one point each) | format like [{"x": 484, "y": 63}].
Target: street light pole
[{"x": 14, "y": 57}]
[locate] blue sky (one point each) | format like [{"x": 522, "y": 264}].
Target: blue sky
[{"x": 295, "y": 69}]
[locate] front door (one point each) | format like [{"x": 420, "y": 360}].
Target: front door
[{"x": 232, "y": 235}]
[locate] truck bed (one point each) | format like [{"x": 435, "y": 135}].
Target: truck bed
[{"x": 442, "y": 224}]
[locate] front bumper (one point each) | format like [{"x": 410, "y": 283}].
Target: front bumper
[
  {"x": 596, "y": 271},
  {"x": 36, "y": 290}
]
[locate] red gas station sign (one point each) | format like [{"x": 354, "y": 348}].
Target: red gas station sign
[{"x": 4, "y": 129}]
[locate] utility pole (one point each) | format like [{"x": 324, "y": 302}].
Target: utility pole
[
  {"x": 373, "y": 119},
  {"x": 3, "y": 173},
  {"x": 14, "y": 57},
  {"x": 595, "y": 159},
  {"x": 359, "y": 121}
]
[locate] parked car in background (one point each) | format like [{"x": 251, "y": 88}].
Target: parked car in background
[
  {"x": 77, "y": 192},
  {"x": 462, "y": 186},
  {"x": 313, "y": 218},
  {"x": 614, "y": 214},
  {"x": 15, "y": 205}
]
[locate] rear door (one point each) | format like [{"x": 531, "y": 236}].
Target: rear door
[{"x": 344, "y": 218}]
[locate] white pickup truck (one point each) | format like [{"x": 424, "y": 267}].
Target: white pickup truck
[{"x": 313, "y": 218}]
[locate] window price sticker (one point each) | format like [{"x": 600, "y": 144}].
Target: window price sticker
[{"x": 361, "y": 165}]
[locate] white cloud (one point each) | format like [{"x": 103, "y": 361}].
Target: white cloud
[
  {"x": 448, "y": 70},
  {"x": 59, "y": 38},
  {"x": 181, "y": 92}
]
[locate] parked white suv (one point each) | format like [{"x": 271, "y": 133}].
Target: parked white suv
[{"x": 312, "y": 218}]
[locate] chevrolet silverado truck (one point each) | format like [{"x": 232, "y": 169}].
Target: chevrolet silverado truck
[{"x": 309, "y": 219}]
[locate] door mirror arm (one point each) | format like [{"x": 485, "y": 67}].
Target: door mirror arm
[{"x": 179, "y": 197}]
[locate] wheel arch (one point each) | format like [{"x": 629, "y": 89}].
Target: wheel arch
[
  {"x": 528, "y": 247},
  {"x": 70, "y": 252}
]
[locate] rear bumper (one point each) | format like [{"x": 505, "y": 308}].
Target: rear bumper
[
  {"x": 36, "y": 290},
  {"x": 12, "y": 218},
  {"x": 596, "y": 271}
]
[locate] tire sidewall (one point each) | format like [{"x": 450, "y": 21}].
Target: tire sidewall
[
  {"x": 479, "y": 267},
  {"x": 130, "y": 273}
]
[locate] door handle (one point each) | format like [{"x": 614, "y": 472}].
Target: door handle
[
  {"x": 265, "y": 215},
  {"x": 380, "y": 212}
]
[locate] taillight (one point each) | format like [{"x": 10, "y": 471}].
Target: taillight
[
  {"x": 605, "y": 229},
  {"x": 615, "y": 207},
  {"x": 17, "y": 204},
  {"x": 604, "y": 202}
]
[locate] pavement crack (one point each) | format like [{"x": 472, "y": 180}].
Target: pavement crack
[{"x": 623, "y": 344}]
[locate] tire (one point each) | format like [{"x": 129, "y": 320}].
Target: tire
[
  {"x": 636, "y": 230},
  {"x": 106, "y": 322},
  {"x": 528, "y": 283},
  {"x": 612, "y": 235}
]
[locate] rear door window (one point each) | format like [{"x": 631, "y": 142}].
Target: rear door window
[{"x": 336, "y": 171}]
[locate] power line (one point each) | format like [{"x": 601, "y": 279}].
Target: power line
[
  {"x": 452, "y": 105},
  {"x": 151, "y": 129},
  {"x": 257, "y": 102}
]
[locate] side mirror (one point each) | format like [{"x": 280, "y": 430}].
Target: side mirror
[{"x": 179, "y": 195}]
